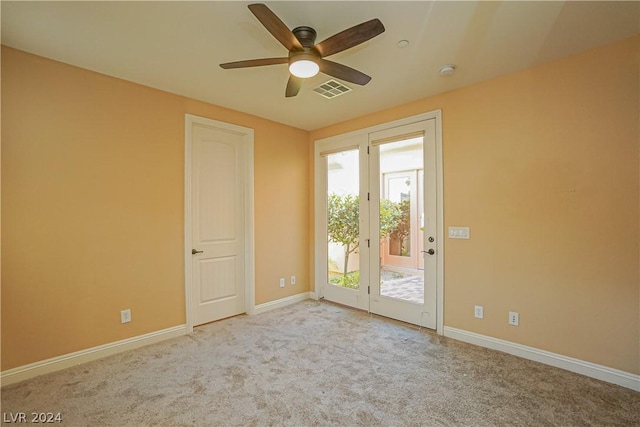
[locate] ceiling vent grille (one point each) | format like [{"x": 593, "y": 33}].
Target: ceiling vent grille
[{"x": 331, "y": 89}]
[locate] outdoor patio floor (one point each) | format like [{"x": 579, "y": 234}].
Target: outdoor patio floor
[{"x": 408, "y": 288}]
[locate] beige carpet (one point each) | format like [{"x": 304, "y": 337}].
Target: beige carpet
[{"x": 315, "y": 363}]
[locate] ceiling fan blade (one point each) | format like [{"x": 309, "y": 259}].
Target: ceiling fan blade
[
  {"x": 293, "y": 86},
  {"x": 343, "y": 72},
  {"x": 350, "y": 37},
  {"x": 254, "y": 63},
  {"x": 275, "y": 26}
]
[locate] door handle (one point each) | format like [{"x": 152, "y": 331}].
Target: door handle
[
  {"x": 430, "y": 252},
  {"x": 193, "y": 252}
]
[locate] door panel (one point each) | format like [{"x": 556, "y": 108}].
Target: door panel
[
  {"x": 217, "y": 278},
  {"x": 402, "y": 287},
  {"x": 217, "y": 218},
  {"x": 217, "y": 167},
  {"x": 343, "y": 274}
]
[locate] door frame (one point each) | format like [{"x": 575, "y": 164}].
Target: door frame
[
  {"x": 248, "y": 223},
  {"x": 364, "y": 133}
]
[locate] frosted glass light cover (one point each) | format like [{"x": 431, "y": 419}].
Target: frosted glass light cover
[{"x": 304, "y": 68}]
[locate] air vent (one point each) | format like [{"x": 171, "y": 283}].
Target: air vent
[{"x": 330, "y": 89}]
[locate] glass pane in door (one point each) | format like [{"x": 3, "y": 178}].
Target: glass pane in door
[
  {"x": 399, "y": 195},
  {"x": 343, "y": 219},
  {"x": 401, "y": 269}
]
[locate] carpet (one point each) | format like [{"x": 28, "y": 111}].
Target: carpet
[{"x": 316, "y": 364}]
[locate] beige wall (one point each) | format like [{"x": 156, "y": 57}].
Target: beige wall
[
  {"x": 543, "y": 166},
  {"x": 92, "y": 207}
]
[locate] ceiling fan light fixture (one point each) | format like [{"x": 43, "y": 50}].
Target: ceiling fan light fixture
[{"x": 303, "y": 66}]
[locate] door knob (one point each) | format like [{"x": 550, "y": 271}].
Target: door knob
[
  {"x": 430, "y": 252},
  {"x": 193, "y": 252}
]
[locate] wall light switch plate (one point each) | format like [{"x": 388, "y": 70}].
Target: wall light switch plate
[
  {"x": 125, "y": 316},
  {"x": 479, "y": 312},
  {"x": 458, "y": 232},
  {"x": 282, "y": 282}
]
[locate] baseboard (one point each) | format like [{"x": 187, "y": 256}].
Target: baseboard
[
  {"x": 21, "y": 373},
  {"x": 282, "y": 302},
  {"x": 593, "y": 370}
]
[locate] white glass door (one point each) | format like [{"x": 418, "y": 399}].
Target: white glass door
[
  {"x": 376, "y": 228},
  {"x": 403, "y": 223},
  {"x": 343, "y": 261}
]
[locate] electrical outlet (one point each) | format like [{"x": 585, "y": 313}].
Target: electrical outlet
[
  {"x": 125, "y": 316},
  {"x": 282, "y": 282},
  {"x": 479, "y": 312},
  {"x": 514, "y": 318},
  {"x": 293, "y": 280}
]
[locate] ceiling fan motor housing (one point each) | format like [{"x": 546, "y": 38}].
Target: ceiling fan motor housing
[{"x": 305, "y": 35}]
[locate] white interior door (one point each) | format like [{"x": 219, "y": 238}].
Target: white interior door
[
  {"x": 218, "y": 218},
  {"x": 377, "y": 225}
]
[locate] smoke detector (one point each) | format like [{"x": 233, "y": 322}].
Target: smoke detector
[{"x": 447, "y": 70}]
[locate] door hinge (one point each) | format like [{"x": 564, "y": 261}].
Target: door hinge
[
  {"x": 369, "y": 290},
  {"x": 367, "y": 149},
  {"x": 368, "y": 196},
  {"x": 368, "y": 243}
]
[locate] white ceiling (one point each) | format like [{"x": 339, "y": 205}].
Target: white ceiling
[{"x": 177, "y": 46}]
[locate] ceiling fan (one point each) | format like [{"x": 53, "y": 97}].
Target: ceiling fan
[{"x": 307, "y": 58}]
